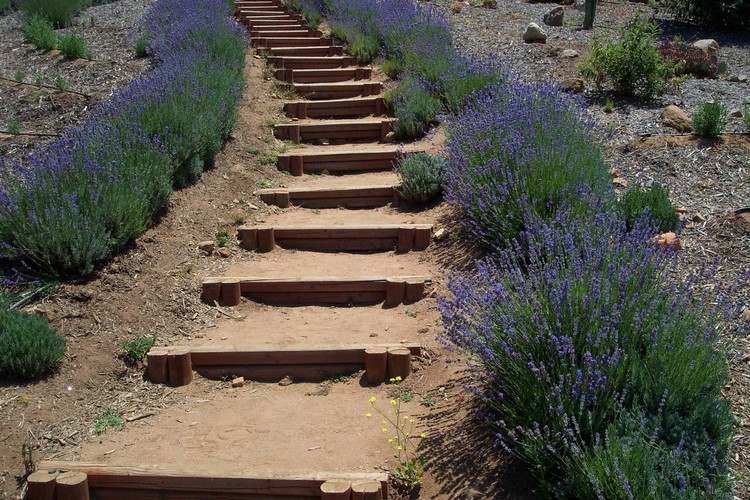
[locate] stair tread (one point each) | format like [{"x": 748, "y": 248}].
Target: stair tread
[{"x": 344, "y": 121}]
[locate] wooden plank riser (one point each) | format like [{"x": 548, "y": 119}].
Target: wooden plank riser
[
  {"x": 337, "y": 92},
  {"x": 291, "y": 62},
  {"x": 287, "y": 33},
  {"x": 289, "y": 42},
  {"x": 305, "y": 134},
  {"x": 356, "y": 108},
  {"x": 275, "y": 28},
  {"x": 332, "y": 198},
  {"x": 298, "y": 373},
  {"x": 322, "y": 75},
  {"x": 322, "y": 51},
  {"x": 339, "y": 164}
]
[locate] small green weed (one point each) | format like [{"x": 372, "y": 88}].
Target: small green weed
[
  {"x": 73, "y": 47},
  {"x": 133, "y": 351},
  {"x": 19, "y": 76},
  {"x": 109, "y": 419},
  {"x": 140, "y": 47},
  {"x": 264, "y": 183},
  {"x": 710, "y": 119},
  {"x": 652, "y": 202},
  {"x": 392, "y": 68},
  {"x": 39, "y": 32},
  {"x": 609, "y": 106},
  {"x": 222, "y": 239},
  {"x": 364, "y": 48},
  {"x": 14, "y": 126}
]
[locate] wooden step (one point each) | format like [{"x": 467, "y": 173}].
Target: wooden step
[
  {"x": 310, "y": 62},
  {"x": 338, "y": 90},
  {"x": 280, "y": 41},
  {"x": 256, "y": 22},
  {"x": 322, "y": 51},
  {"x": 311, "y": 364},
  {"x": 354, "y": 107},
  {"x": 339, "y": 160},
  {"x": 362, "y": 129},
  {"x": 290, "y": 33},
  {"x": 264, "y": 15},
  {"x": 351, "y": 197},
  {"x": 112, "y": 482},
  {"x": 277, "y": 27},
  {"x": 323, "y": 75},
  {"x": 402, "y": 238},
  {"x": 335, "y": 291}
]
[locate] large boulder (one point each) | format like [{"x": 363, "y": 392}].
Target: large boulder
[
  {"x": 554, "y": 17},
  {"x": 534, "y": 34},
  {"x": 676, "y": 118},
  {"x": 708, "y": 45}
]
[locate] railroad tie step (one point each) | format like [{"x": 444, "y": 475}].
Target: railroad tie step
[
  {"x": 323, "y": 75},
  {"x": 301, "y": 31},
  {"x": 308, "y": 364},
  {"x": 334, "y": 291},
  {"x": 139, "y": 481},
  {"x": 402, "y": 238},
  {"x": 369, "y": 129},
  {"x": 339, "y": 160},
  {"x": 353, "y": 107},
  {"x": 310, "y": 62},
  {"x": 290, "y": 41},
  {"x": 322, "y": 197},
  {"x": 338, "y": 90},
  {"x": 280, "y": 26},
  {"x": 319, "y": 51}
]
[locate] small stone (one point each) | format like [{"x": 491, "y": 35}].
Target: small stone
[
  {"x": 440, "y": 234},
  {"x": 668, "y": 240},
  {"x": 708, "y": 45},
  {"x": 224, "y": 252},
  {"x": 575, "y": 85},
  {"x": 238, "y": 382},
  {"x": 554, "y": 17},
  {"x": 457, "y": 7},
  {"x": 620, "y": 182},
  {"x": 569, "y": 54},
  {"x": 674, "y": 117},
  {"x": 745, "y": 316},
  {"x": 287, "y": 380},
  {"x": 373, "y": 335},
  {"x": 534, "y": 34},
  {"x": 252, "y": 206},
  {"x": 207, "y": 246},
  {"x": 737, "y": 113}
]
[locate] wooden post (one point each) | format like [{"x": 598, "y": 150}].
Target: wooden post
[
  {"x": 231, "y": 292},
  {"x": 399, "y": 362},
  {"x": 405, "y": 239},
  {"x": 336, "y": 490},
  {"x": 248, "y": 236},
  {"x": 302, "y": 111},
  {"x": 376, "y": 364},
  {"x": 366, "y": 490},
  {"x": 414, "y": 291},
  {"x": 156, "y": 369},
  {"x": 296, "y": 164},
  {"x": 41, "y": 485},
  {"x": 266, "y": 240},
  {"x": 422, "y": 237},
  {"x": 211, "y": 290},
  {"x": 179, "y": 367},
  {"x": 588, "y": 18},
  {"x": 282, "y": 199},
  {"x": 395, "y": 290},
  {"x": 294, "y": 134},
  {"x": 72, "y": 486}
]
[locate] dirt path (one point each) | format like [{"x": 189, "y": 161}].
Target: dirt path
[{"x": 305, "y": 305}]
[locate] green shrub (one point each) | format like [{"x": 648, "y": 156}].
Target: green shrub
[
  {"x": 746, "y": 116},
  {"x": 720, "y": 13},
  {"x": 73, "y": 47},
  {"x": 392, "y": 68},
  {"x": 29, "y": 347},
  {"x": 140, "y": 47},
  {"x": 710, "y": 119},
  {"x": 38, "y": 32},
  {"x": 652, "y": 202},
  {"x": 414, "y": 108},
  {"x": 58, "y": 12},
  {"x": 5, "y": 7},
  {"x": 364, "y": 48},
  {"x": 632, "y": 62},
  {"x": 421, "y": 176},
  {"x": 133, "y": 351}
]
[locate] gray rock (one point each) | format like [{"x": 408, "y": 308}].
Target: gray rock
[
  {"x": 674, "y": 117},
  {"x": 569, "y": 54},
  {"x": 534, "y": 34},
  {"x": 707, "y": 45},
  {"x": 736, "y": 113},
  {"x": 554, "y": 17}
]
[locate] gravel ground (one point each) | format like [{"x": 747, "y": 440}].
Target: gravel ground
[
  {"x": 708, "y": 180},
  {"x": 109, "y": 31}
]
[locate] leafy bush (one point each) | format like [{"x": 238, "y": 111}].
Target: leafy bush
[
  {"x": 364, "y": 49},
  {"x": 73, "y": 47},
  {"x": 520, "y": 149},
  {"x": 414, "y": 108},
  {"x": 38, "y": 32},
  {"x": 84, "y": 196},
  {"x": 421, "y": 176},
  {"x": 58, "y": 12},
  {"x": 688, "y": 59},
  {"x": 710, "y": 119},
  {"x": 631, "y": 62},
  {"x": 134, "y": 350},
  {"x": 309, "y": 9},
  {"x": 721, "y": 13},
  {"x": 603, "y": 379},
  {"x": 140, "y": 47},
  {"x": 29, "y": 347},
  {"x": 652, "y": 203},
  {"x": 392, "y": 68}
]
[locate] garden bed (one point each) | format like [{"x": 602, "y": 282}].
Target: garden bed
[{"x": 109, "y": 31}]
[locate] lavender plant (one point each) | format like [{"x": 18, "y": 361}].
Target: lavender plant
[
  {"x": 520, "y": 148},
  {"x": 79, "y": 199},
  {"x": 414, "y": 107},
  {"x": 606, "y": 381}
]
